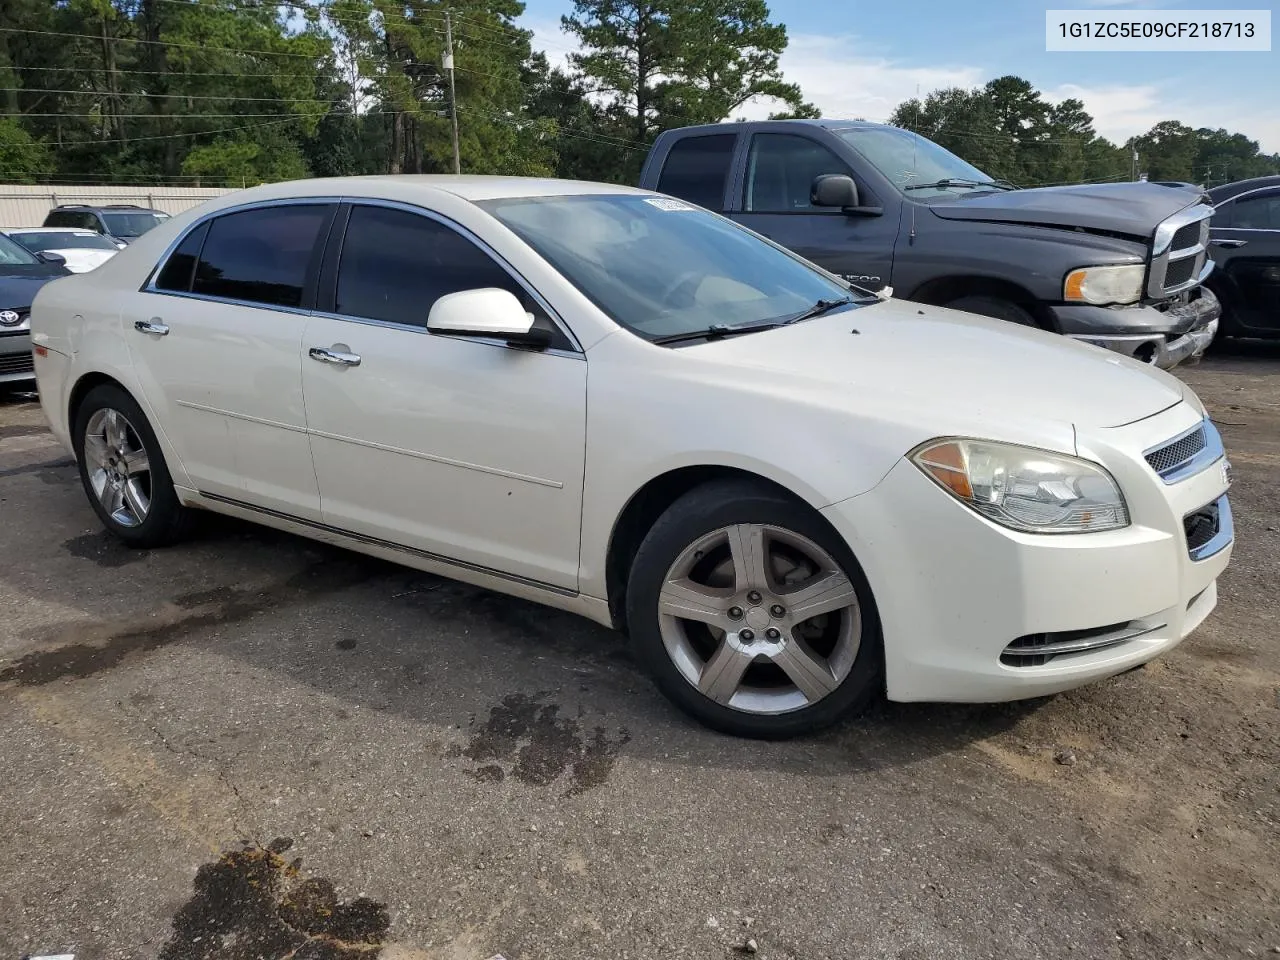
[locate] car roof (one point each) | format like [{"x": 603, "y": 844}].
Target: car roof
[
  {"x": 1228, "y": 190},
  {"x": 827, "y": 123},
  {"x": 80, "y": 230}
]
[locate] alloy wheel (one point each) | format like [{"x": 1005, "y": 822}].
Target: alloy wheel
[{"x": 118, "y": 467}]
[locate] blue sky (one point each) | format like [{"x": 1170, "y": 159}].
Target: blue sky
[{"x": 856, "y": 58}]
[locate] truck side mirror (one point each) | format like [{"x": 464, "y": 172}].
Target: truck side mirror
[{"x": 839, "y": 190}]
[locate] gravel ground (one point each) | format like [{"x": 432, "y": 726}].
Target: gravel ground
[{"x": 256, "y": 746}]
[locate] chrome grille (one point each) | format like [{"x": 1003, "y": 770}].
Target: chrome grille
[
  {"x": 1179, "y": 252},
  {"x": 1037, "y": 649},
  {"x": 16, "y": 363},
  {"x": 1164, "y": 460}
]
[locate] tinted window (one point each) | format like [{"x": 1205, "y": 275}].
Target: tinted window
[
  {"x": 396, "y": 264},
  {"x": 261, "y": 255},
  {"x": 69, "y": 218},
  {"x": 129, "y": 224},
  {"x": 781, "y": 170},
  {"x": 1258, "y": 212},
  {"x": 177, "y": 271},
  {"x": 696, "y": 169},
  {"x": 64, "y": 241}
]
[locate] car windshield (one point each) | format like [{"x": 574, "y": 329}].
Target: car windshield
[
  {"x": 13, "y": 255},
  {"x": 130, "y": 224},
  {"x": 909, "y": 159},
  {"x": 661, "y": 267},
  {"x": 82, "y": 239}
]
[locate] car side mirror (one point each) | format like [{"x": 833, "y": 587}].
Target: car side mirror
[
  {"x": 839, "y": 190},
  {"x": 490, "y": 313},
  {"x": 49, "y": 256}
]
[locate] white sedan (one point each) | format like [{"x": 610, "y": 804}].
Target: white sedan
[
  {"x": 792, "y": 495},
  {"x": 82, "y": 250}
]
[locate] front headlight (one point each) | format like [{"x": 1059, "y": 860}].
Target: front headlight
[
  {"x": 1023, "y": 488},
  {"x": 1104, "y": 285}
]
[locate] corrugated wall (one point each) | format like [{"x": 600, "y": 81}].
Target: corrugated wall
[{"x": 22, "y": 205}]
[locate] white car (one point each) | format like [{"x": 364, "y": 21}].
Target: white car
[
  {"x": 792, "y": 495},
  {"x": 82, "y": 250}
]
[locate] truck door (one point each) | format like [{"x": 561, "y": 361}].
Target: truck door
[
  {"x": 1245, "y": 246},
  {"x": 780, "y": 169}
]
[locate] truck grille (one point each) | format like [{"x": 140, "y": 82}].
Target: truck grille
[
  {"x": 1180, "y": 252},
  {"x": 16, "y": 363}
]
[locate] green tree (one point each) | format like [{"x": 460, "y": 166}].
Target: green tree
[{"x": 22, "y": 158}]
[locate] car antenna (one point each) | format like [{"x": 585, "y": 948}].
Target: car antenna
[{"x": 915, "y": 170}]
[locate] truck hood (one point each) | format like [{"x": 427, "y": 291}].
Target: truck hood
[
  {"x": 1133, "y": 209},
  {"x": 954, "y": 369}
]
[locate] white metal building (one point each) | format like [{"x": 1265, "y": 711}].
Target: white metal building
[{"x": 23, "y": 205}]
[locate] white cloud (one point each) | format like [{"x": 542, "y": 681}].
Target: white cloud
[{"x": 835, "y": 74}]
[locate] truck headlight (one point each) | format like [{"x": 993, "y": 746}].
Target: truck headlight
[
  {"x": 1023, "y": 488},
  {"x": 1103, "y": 285}
]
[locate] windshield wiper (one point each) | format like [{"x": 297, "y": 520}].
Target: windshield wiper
[
  {"x": 717, "y": 331},
  {"x": 819, "y": 308},
  {"x": 960, "y": 182}
]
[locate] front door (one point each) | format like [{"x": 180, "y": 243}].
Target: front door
[
  {"x": 781, "y": 168},
  {"x": 468, "y": 450},
  {"x": 214, "y": 341},
  {"x": 1245, "y": 246}
]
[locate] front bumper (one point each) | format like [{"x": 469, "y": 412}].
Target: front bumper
[
  {"x": 16, "y": 364},
  {"x": 955, "y": 592},
  {"x": 1164, "y": 336}
]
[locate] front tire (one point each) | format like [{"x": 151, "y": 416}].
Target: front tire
[
  {"x": 996, "y": 308},
  {"x": 123, "y": 471},
  {"x": 752, "y": 615}
]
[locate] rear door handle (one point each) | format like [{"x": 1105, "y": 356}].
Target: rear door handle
[
  {"x": 335, "y": 356},
  {"x": 1228, "y": 243},
  {"x": 154, "y": 325}
]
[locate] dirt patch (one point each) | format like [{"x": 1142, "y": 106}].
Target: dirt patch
[
  {"x": 81, "y": 651},
  {"x": 531, "y": 741},
  {"x": 252, "y": 904}
]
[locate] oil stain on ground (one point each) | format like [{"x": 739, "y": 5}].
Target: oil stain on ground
[
  {"x": 84, "y": 650},
  {"x": 103, "y": 549},
  {"x": 531, "y": 741},
  {"x": 253, "y": 904}
]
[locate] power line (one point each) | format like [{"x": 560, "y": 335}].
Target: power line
[
  {"x": 179, "y": 96},
  {"x": 163, "y": 136},
  {"x": 153, "y": 116},
  {"x": 169, "y": 43}
]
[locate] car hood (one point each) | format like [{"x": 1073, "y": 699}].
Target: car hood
[
  {"x": 951, "y": 368},
  {"x": 81, "y": 259},
  {"x": 1129, "y": 208},
  {"x": 19, "y": 289}
]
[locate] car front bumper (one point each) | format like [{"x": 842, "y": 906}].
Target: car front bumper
[
  {"x": 1179, "y": 332},
  {"x": 15, "y": 358},
  {"x": 957, "y": 594}
]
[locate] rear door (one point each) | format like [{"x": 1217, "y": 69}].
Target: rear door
[
  {"x": 1245, "y": 244},
  {"x": 215, "y": 340},
  {"x": 697, "y": 169},
  {"x": 779, "y": 175}
]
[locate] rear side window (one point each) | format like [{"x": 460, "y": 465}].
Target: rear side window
[
  {"x": 697, "y": 168},
  {"x": 70, "y": 218},
  {"x": 180, "y": 267},
  {"x": 261, "y": 256}
]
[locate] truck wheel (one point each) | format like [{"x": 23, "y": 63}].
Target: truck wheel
[
  {"x": 994, "y": 307},
  {"x": 752, "y": 615}
]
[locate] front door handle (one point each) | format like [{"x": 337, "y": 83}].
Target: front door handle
[
  {"x": 333, "y": 355},
  {"x": 1228, "y": 243},
  {"x": 154, "y": 325}
]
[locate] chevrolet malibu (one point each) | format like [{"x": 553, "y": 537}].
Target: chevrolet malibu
[{"x": 793, "y": 496}]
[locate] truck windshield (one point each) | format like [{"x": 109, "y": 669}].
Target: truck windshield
[
  {"x": 662, "y": 267},
  {"x": 909, "y": 159},
  {"x": 130, "y": 224}
]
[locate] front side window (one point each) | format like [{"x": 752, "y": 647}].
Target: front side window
[
  {"x": 1260, "y": 211},
  {"x": 697, "y": 168},
  {"x": 129, "y": 225},
  {"x": 781, "y": 169},
  {"x": 909, "y": 160},
  {"x": 396, "y": 264},
  {"x": 660, "y": 267},
  {"x": 261, "y": 256},
  {"x": 84, "y": 240}
]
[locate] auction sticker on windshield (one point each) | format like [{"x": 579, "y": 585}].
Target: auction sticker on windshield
[{"x": 665, "y": 203}]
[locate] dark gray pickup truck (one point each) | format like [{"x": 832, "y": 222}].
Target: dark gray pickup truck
[{"x": 1121, "y": 265}]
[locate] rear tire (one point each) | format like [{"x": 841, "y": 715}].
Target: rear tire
[
  {"x": 123, "y": 471},
  {"x": 996, "y": 308},
  {"x": 783, "y": 639}
]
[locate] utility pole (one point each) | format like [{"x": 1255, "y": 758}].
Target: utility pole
[
  {"x": 1134, "y": 174},
  {"x": 453, "y": 95}
]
